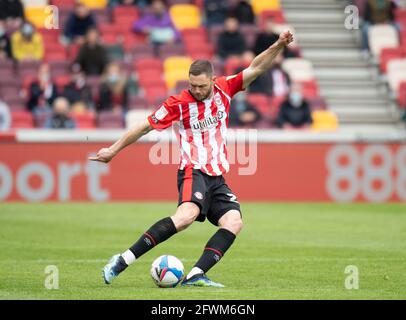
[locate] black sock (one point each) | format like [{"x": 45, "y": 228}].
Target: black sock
[
  {"x": 215, "y": 248},
  {"x": 159, "y": 232}
]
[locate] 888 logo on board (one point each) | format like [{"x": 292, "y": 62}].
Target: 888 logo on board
[{"x": 376, "y": 173}]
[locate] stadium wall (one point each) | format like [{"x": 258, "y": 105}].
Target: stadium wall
[{"x": 265, "y": 166}]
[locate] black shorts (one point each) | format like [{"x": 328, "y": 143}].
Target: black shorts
[{"x": 210, "y": 193}]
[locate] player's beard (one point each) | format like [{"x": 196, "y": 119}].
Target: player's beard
[{"x": 209, "y": 94}]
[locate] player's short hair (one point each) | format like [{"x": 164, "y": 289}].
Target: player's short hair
[{"x": 199, "y": 67}]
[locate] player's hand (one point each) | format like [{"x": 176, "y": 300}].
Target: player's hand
[
  {"x": 285, "y": 38},
  {"x": 104, "y": 155}
]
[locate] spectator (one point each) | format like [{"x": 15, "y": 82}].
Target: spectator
[
  {"x": 113, "y": 92},
  {"x": 215, "y": 12},
  {"x": 78, "y": 92},
  {"x": 243, "y": 12},
  {"x": 275, "y": 82},
  {"x": 267, "y": 38},
  {"x": 295, "y": 111},
  {"x": 231, "y": 42},
  {"x": 92, "y": 56},
  {"x": 12, "y": 13},
  {"x": 157, "y": 25},
  {"x": 5, "y": 117},
  {"x": 60, "y": 116},
  {"x": 42, "y": 92},
  {"x": 27, "y": 44},
  {"x": 5, "y": 46},
  {"x": 78, "y": 23},
  {"x": 376, "y": 12},
  {"x": 242, "y": 113}
]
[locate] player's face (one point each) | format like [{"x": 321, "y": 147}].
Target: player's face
[{"x": 201, "y": 86}]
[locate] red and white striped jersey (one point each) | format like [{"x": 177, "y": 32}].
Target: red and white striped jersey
[{"x": 202, "y": 125}]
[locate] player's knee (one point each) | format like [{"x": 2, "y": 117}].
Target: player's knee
[
  {"x": 185, "y": 215},
  {"x": 232, "y": 221}
]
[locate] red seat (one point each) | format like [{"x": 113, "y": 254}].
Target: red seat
[
  {"x": 310, "y": 89},
  {"x": 131, "y": 40},
  {"x": 49, "y": 35},
  {"x": 151, "y": 80},
  {"x": 388, "y": 54},
  {"x": 85, "y": 120},
  {"x": 276, "y": 16},
  {"x": 109, "y": 119},
  {"x": 55, "y": 56},
  {"x": 22, "y": 119},
  {"x": 64, "y": 3},
  {"x": 142, "y": 51},
  {"x": 261, "y": 103},
  {"x": 109, "y": 39},
  {"x": 402, "y": 95},
  {"x": 137, "y": 102},
  {"x": 154, "y": 92},
  {"x": 400, "y": 14},
  {"x": 232, "y": 64},
  {"x": 119, "y": 12},
  {"x": 148, "y": 64},
  {"x": 62, "y": 80}
]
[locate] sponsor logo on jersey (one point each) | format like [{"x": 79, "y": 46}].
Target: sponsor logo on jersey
[{"x": 209, "y": 122}]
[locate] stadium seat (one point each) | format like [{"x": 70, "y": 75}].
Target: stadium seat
[
  {"x": 64, "y": 3},
  {"x": 22, "y": 120},
  {"x": 181, "y": 85},
  {"x": 324, "y": 120},
  {"x": 148, "y": 64},
  {"x": 276, "y": 16},
  {"x": 152, "y": 93},
  {"x": 84, "y": 121},
  {"x": 137, "y": 102},
  {"x": 388, "y": 54},
  {"x": 185, "y": 16},
  {"x": 109, "y": 120},
  {"x": 95, "y": 4},
  {"x": 402, "y": 94},
  {"x": 175, "y": 69},
  {"x": 142, "y": 51},
  {"x": 171, "y": 49},
  {"x": 128, "y": 13},
  {"x": 62, "y": 80},
  {"x": 382, "y": 36},
  {"x": 310, "y": 89},
  {"x": 260, "y": 5},
  {"x": 136, "y": 116},
  {"x": 298, "y": 69},
  {"x": 261, "y": 102},
  {"x": 36, "y": 15}
]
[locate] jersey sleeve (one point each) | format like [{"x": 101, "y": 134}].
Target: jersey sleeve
[
  {"x": 231, "y": 84},
  {"x": 165, "y": 115}
]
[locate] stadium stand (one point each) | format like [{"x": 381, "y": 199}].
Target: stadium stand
[{"x": 329, "y": 70}]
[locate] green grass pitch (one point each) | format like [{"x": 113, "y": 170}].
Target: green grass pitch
[{"x": 285, "y": 251}]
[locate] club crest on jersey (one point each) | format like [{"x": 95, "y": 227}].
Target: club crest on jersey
[{"x": 198, "y": 195}]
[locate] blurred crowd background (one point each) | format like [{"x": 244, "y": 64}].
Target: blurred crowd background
[{"x": 108, "y": 64}]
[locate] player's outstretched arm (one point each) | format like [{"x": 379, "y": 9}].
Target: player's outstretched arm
[
  {"x": 263, "y": 61},
  {"x": 131, "y": 136}
]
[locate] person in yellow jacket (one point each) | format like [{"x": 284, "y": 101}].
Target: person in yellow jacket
[{"x": 27, "y": 44}]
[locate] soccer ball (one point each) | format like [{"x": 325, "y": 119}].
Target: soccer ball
[{"x": 167, "y": 271}]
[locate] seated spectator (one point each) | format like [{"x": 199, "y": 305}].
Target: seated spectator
[
  {"x": 267, "y": 38},
  {"x": 78, "y": 92},
  {"x": 157, "y": 25},
  {"x": 215, "y": 12},
  {"x": 12, "y": 13},
  {"x": 113, "y": 91},
  {"x": 27, "y": 44},
  {"x": 59, "y": 119},
  {"x": 79, "y": 21},
  {"x": 243, "y": 12},
  {"x": 376, "y": 12},
  {"x": 92, "y": 56},
  {"x": 274, "y": 82},
  {"x": 231, "y": 42},
  {"x": 242, "y": 113},
  {"x": 295, "y": 111},
  {"x": 42, "y": 92},
  {"x": 5, "y": 117},
  {"x": 5, "y": 46}
]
